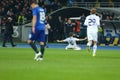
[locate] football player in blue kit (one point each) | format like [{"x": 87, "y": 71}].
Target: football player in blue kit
[{"x": 38, "y": 30}]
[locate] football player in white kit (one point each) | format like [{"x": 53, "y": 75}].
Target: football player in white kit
[
  {"x": 92, "y": 22},
  {"x": 72, "y": 42}
]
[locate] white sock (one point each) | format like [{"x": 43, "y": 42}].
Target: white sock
[
  {"x": 94, "y": 49},
  {"x": 88, "y": 44}
]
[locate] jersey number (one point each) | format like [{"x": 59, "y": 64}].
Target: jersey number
[
  {"x": 91, "y": 22},
  {"x": 71, "y": 42},
  {"x": 42, "y": 17}
]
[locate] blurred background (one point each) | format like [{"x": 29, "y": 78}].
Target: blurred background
[{"x": 63, "y": 15}]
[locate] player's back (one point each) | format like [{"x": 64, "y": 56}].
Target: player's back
[
  {"x": 92, "y": 22},
  {"x": 40, "y": 14},
  {"x": 71, "y": 41}
]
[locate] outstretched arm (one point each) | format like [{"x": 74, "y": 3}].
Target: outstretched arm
[
  {"x": 60, "y": 41},
  {"x": 83, "y": 39}
]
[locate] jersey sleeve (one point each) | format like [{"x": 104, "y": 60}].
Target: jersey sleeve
[
  {"x": 86, "y": 21},
  {"x": 66, "y": 40},
  {"x": 34, "y": 12},
  {"x": 76, "y": 39}
]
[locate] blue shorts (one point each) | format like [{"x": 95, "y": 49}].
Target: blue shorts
[{"x": 39, "y": 36}]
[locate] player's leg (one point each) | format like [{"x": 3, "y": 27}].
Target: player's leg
[
  {"x": 11, "y": 41},
  {"x": 41, "y": 39},
  {"x": 77, "y": 48},
  {"x": 4, "y": 40},
  {"x": 94, "y": 48},
  {"x": 89, "y": 36},
  {"x": 67, "y": 47},
  {"x": 33, "y": 46},
  {"x": 95, "y": 43},
  {"x": 46, "y": 41},
  {"x": 42, "y": 49},
  {"x": 31, "y": 42}
]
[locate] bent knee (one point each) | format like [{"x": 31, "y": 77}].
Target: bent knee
[
  {"x": 41, "y": 43},
  {"x": 29, "y": 41}
]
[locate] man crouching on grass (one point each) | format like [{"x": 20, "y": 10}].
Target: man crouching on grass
[{"x": 72, "y": 42}]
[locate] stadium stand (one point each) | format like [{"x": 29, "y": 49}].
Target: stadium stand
[
  {"x": 111, "y": 30},
  {"x": 111, "y": 33},
  {"x": 117, "y": 29}
]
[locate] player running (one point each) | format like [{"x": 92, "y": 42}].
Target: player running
[
  {"x": 93, "y": 23},
  {"x": 38, "y": 30},
  {"x": 72, "y": 42}
]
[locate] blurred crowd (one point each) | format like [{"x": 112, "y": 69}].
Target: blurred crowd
[
  {"x": 107, "y": 15},
  {"x": 61, "y": 27},
  {"x": 20, "y": 12}
]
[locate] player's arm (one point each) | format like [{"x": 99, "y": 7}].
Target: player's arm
[
  {"x": 33, "y": 23},
  {"x": 60, "y": 40},
  {"x": 48, "y": 26},
  {"x": 83, "y": 39},
  {"x": 98, "y": 23}
]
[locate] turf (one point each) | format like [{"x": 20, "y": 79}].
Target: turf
[{"x": 59, "y": 64}]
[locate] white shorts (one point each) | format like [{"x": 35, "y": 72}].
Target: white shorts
[
  {"x": 72, "y": 47},
  {"x": 92, "y": 36}
]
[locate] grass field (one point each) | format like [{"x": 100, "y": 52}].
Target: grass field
[{"x": 59, "y": 64}]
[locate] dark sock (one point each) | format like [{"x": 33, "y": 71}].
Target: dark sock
[
  {"x": 33, "y": 46},
  {"x": 42, "y": 50}
]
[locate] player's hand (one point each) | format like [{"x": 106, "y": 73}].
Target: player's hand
[
  {"x": 58, "y": 40},
  {"x": 33, "y": 30},
  {"x": 85, "y": 38}
]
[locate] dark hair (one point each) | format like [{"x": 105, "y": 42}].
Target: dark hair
[
  {"x": 71, "y": 34},
  {"x": 33, "y": 2}
]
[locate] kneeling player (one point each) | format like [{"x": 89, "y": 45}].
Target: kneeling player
[{"x": 72, "y": 42}]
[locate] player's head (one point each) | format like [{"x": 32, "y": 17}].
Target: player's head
[
  {"x": 33, "y": 4},
  {"x": 71, "y": 34},
  {"x": 93, "y": 11}
]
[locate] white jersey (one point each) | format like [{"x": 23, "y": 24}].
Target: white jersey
[
  {"x": 71, "y": 41},
  {"x": 92, "y": 22}
]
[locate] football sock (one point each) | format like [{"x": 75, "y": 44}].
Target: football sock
[
  {"x": 94, "y": 49},
  {"x": 89, "y": 44},
  {"x": 33, "y": 46},
  {"x": 42, "y": 50}
]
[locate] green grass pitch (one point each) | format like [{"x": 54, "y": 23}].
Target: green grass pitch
[{"x": 59, "y": 64}]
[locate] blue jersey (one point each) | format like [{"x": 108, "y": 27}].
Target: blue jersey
[{"x": 40, "y": 14}]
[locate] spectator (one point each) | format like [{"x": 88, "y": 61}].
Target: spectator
[
  {"x": 70, "y": 3},
  {"x": 76, "y": 28},
  {"x": 108, "y": 38},
  {"x": 51, "y": 31},
  {"x": 68, "y": 28},
  {"x": 21, "y": 19},
  {"x": 2, "y": 12},
  {"x": 55, "y": 5},
  {"x": 82, "y": 19},
  {"x": 41, "y": 3},
  {"x": 47, "y": 27},
  {"x": 8, "y": 32},
  {"x": 47, "y": 4}
]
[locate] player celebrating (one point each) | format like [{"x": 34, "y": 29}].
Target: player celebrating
[
  {"x": 93, "y": 23},
  {"x": 71, "y": 42},
  {"x": 38, "y": 30}
]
